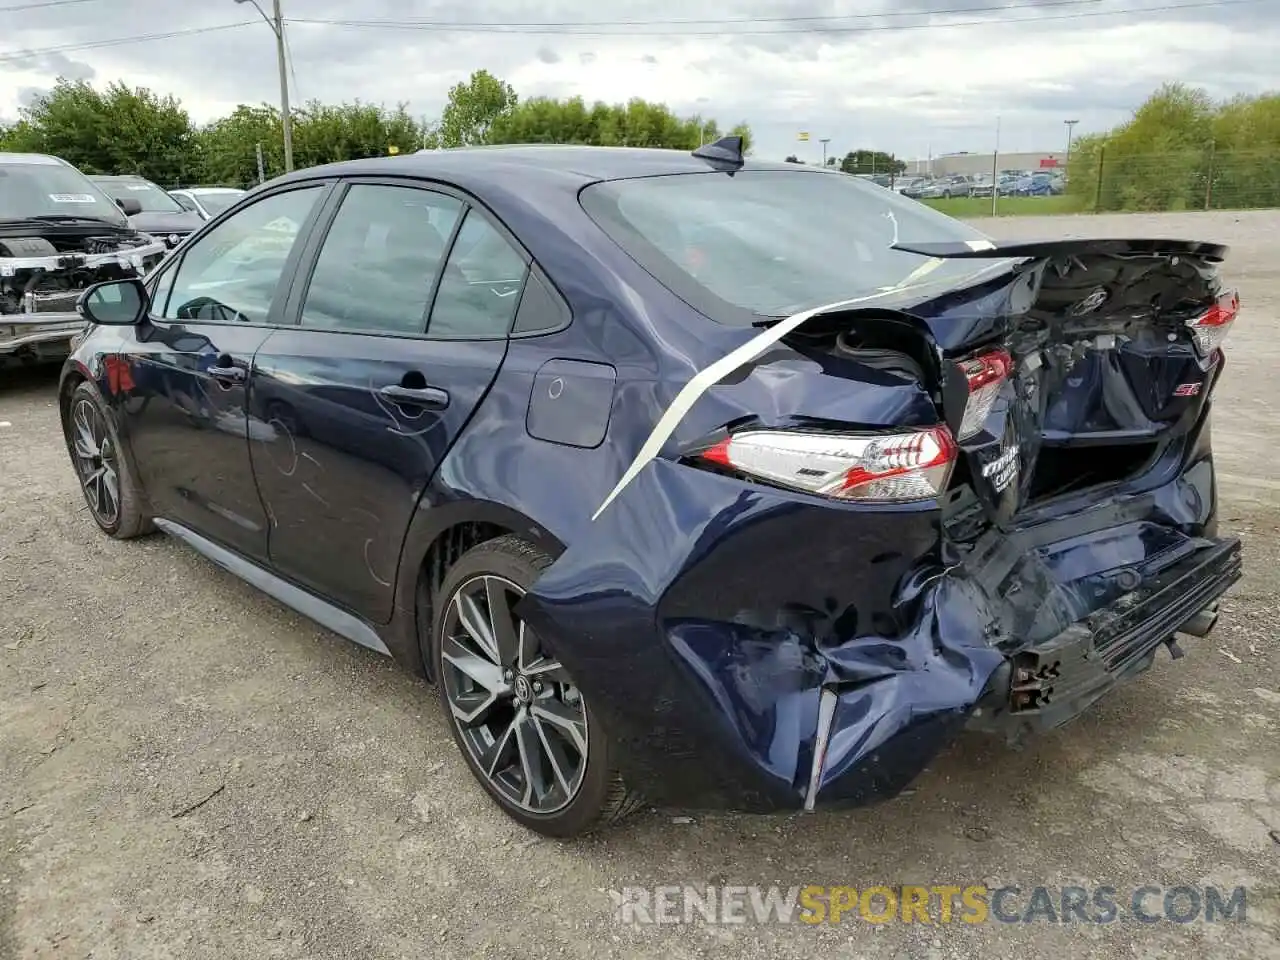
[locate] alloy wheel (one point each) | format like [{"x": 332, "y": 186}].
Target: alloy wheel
[
  {"x": 519, "y": 714},
  {"x": 97, "y": 463}
]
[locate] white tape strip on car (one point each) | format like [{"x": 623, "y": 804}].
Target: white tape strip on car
[{"x": 708, "y": 377}]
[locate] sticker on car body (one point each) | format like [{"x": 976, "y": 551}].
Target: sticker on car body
[
  {"x": 1186, "y": 390},
  {"x": 1002, "y": 469}
]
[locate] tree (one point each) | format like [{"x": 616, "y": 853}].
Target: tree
[
  {"x": 120, "y": 130},
  {"x": 871, "y": 161},
  {"x": 1182, "y": 150},
  {"x": 473, "y": 107},
  {"x": 637, "y": 123}
]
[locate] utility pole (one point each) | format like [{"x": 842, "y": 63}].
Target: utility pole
[
  {"x": 824, "y": 142},
  {"x": 276, "y": 23},
  {"x": 995, "y": 171},
  {"x": 1070, "y": 129}
]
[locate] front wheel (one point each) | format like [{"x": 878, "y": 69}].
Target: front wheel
[
  {"x": 519, "y": 718},
  {"x": 113, "y": 498}
]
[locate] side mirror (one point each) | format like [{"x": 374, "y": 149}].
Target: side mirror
[
  {"x": 129, "y": 206},
  {"x": 115, "y": 303}
]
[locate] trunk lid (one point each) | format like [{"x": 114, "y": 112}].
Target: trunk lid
[{"x": 1103, "y": 360}]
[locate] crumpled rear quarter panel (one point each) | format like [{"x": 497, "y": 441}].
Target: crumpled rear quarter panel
[{"x": 706, "y": 616}]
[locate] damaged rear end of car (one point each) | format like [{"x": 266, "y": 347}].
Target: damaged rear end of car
[{"x": 978, "y": 497}]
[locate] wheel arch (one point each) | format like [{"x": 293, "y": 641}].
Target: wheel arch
[{"x": 438, "y": 536}]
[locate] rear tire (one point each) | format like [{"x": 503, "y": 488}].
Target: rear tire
[
  {"x": 515, "y": 713},
  {"x": 115, "y": 502}
]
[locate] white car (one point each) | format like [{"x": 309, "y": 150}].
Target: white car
[{"x": 207, "y": 201}]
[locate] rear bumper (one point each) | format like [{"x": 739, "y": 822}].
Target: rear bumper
[
  {"x": 1051, "y": 683},
  {"x": 761, "y": 651}
]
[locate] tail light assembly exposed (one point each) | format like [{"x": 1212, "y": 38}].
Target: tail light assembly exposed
[
  {"x": 875, "y": 468},
  {"x": 984, "y": 375},
  {"x": 1210, "y": 328}
]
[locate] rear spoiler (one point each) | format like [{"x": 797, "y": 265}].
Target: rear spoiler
[{"x": 996, "y": 249}]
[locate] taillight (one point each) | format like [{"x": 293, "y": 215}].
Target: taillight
[
  {"x": 1211, "y": 327},
  {"x": 884, "y": 468},
  {"x": 985, "y": 375}
]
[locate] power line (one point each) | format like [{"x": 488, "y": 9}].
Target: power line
[
  {"x": 18, "y": 55},
  {"x": 43, "y": 4},
  {"x": 567, "y": 29},
  {"x": 692, "y": 21}
]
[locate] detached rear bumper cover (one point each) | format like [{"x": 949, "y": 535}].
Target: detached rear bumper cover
[{"x": 721, "y": 680}]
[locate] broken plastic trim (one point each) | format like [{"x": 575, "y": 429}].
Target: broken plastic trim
[{"x": 826, "y": 717}]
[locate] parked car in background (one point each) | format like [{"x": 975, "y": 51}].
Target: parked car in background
[
  {"x": 1037, "y": 185},
  {"x": 981, "y": 186},
  {"x": 685, "y": 477},
  {"x": 879, "y": 179},
  {"x": 58, "y": 235},
  {"x": 904, "y": 185},
  {"x": 208, "y": 202},
  {"x": 946, "y": 187},
  {"x": 160, "y": 215}
]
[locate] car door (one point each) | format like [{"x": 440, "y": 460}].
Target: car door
[
  {"x": 186, "y": 420},
  {"x": 402, "y": 327}
]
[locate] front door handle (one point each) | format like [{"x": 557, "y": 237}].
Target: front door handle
[
  {"x": 227, "y": 371},
  {"x": 433, "y": 398}
]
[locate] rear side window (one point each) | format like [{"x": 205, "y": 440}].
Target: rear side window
[
  {"x": 380, "y": 259},
  {"x": 480, "y": 288},
  {"x": 765, "y": 243}
]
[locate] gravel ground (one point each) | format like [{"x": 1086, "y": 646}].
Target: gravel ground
[{"x": 189, "y": 770}]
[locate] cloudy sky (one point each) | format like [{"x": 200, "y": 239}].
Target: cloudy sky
[{"x": 911, "y": 76}]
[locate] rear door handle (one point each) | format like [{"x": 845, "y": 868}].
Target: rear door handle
[{"x": 433, "y": 398}]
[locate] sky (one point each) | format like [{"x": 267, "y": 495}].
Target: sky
[{"x": 912, "y": 77}]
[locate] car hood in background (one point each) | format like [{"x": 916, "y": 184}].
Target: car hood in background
[{"x": 183, "y": 221}]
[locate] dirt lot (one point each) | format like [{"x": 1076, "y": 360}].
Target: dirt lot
[{"x": 137, "y": 680}]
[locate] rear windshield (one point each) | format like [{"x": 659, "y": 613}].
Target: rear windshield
[
  {"x": 765, "y": 243},
  {"x": 152, "y": 198},
  {"x": 52, "y": 190}
]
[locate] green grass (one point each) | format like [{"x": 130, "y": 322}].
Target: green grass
[{"x": 1007, "y": 206}]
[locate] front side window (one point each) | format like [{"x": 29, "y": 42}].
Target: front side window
[
  {"x": 231, "y": 273},
  {"x": 481, "y": 285},
  {"x": 763, "y": 243},
  {"x": 379, "y": 260}
]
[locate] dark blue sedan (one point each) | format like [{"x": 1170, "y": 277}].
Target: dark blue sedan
[{"x": 684, "y": 477}]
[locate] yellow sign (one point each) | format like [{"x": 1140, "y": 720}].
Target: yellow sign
[
  {"x": 393, "y": 149},
  {"x": 802, "y": 136}
]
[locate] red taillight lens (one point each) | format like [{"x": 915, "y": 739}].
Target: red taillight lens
[
  {"x": 1211, "y": 327},
  {"x": 985, "y": 375},
  {"x": 885, "y": 468}
]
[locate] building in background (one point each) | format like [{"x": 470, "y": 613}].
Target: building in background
[{"x": 974, "y": 163}]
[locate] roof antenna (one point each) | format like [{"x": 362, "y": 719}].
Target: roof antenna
[{"x": 727, "y": 151}]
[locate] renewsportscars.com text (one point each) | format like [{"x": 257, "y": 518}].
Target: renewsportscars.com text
[{"x": 935, "y": 904}]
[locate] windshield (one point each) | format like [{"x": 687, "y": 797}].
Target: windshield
[
  {"x": 51, "y": 189},
  {"x": 773, "y": 243},
  {"x": 215, "y": 203},
  {"x": 152, "y": 198}
]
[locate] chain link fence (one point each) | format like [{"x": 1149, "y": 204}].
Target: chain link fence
[{"x": 1207, "y": 178}]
